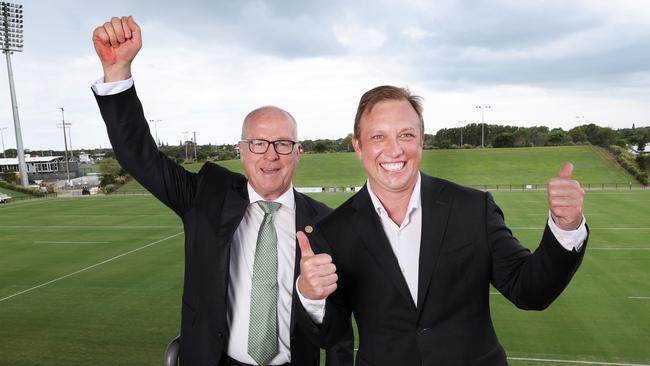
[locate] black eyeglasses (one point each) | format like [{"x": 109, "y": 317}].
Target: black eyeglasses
[{"x": 260, "y": 146}]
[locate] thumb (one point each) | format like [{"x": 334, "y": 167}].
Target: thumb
[
  {"x": 305, "y": 247},
  {"x": 566, "y": 171}
]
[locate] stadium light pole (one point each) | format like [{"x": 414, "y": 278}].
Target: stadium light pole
[
  {"x": 11, "y": 40},
  {"x": 65, "y": 141},
  {"x": 155, "y": 127},
  {"x": 461, "y": 133},
  {"x": 2, "y": 137},
  {"x": 483, "y": 108}
]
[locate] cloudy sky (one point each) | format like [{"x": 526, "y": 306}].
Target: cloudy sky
[{"x": 205, "y": 64}]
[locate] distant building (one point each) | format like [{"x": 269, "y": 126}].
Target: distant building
[
  {"x": 634, "y": 149},
  {"x": 85, "y": 158},
  {"x": 42, "y": 168}
]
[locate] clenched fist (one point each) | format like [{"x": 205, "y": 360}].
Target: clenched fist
[
  {"x": 317, "y": 272},
  {"x": 565, "y": 199},
  {"x": 117, "y": 42}
]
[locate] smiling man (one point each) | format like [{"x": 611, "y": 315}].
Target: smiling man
[
  {"x": 413, "y": 257},
  {"x": 239, "y": 304}
]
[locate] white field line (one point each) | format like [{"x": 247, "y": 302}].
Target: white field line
[
  {"x": 89, "y": 227},
  {"x": 639, "y": 297},
  {"x": 90, "y": 267},
  {"x": 591, "y": 228},
  {"x": 23, "y": 203},
  {"x": 576, "y": 361},
  {"x": 619, "y": 249},
  {"x": 568, "y": 361},
  {"x": 69, "y": 242}
]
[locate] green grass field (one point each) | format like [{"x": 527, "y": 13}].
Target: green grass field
[
  {"x": 470, "y": 167},
  {"x": 98, "y": 280}
]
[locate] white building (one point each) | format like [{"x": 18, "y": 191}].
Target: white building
[{"x": 45, "y": 167}]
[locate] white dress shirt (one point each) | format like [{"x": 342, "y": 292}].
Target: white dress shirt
[
  {"x": 405, "y": 242},
  {"x": 242, "y": 256},
  {"x": 404, "y": 239}
]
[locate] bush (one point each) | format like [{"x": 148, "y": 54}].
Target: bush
[
  {"x": 109, "y": 188},
  {"x": 625, "y": 159},
  {"x": 29, "y": 191},
  {"x": 644, "y": 161}
]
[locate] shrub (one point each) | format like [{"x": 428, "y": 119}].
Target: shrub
[
  {"x": 29, "y": 191},
  {"x": 109, "y": 188}
]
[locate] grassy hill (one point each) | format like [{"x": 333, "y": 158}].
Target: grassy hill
[
  {"x": 12, "y": 193},
  {"x": 476, "y": 167}
]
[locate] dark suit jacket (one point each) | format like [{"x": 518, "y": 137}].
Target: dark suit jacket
[
  {"x": 465, "y": 247},
  {"x": 211, "y": 204}
]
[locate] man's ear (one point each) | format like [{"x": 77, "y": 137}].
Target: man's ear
[{"x": 356, "y": 144}]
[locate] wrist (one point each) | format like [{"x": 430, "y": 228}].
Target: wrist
[{"x": 117, "y": 73}]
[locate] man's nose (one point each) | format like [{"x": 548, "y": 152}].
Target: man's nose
[
  {"x": 394, "y": 147},
  {"x": 271, "y": 154}
]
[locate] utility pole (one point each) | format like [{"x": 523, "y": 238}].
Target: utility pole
[
  {"x": 194, "y": 132},
  {"x": 65, "y": 141},
  {"x": 461, "y": 133},
  {"x": 11, "y": 40}
]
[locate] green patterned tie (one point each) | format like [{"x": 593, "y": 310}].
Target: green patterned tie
[{"x": 263, "y": 322}]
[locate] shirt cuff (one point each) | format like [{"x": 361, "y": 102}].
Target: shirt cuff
[
  {"x": 315, "y": 308},
  {"x": 569, "y": 239},
  {"x": 103, "y": 89}
]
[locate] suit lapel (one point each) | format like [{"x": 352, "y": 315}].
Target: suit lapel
[
  {"x": 234, "y": 206},
  {"x": 435, "y": 213},
  {"x": 305, "y": 215},
  {"x": 371, "y": 233}
]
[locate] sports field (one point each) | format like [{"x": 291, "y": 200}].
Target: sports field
[
  {"x": 97, "y": 281},
  {"x": 491, "y": 167}
]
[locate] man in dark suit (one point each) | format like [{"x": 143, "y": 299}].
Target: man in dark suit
[
  {"x": 239, "y": 303},
  {"x": 413, "y": 256}
]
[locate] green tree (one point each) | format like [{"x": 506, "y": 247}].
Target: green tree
[
  {"x": 504, "y": 139},
  {"x": 557, "y": 137},
  {"x": 110, "y": 166}
]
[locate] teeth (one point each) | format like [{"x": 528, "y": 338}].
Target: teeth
[{"x": 393, "y": 167}]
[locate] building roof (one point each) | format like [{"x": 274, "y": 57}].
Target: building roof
[{"x": 36, "y": 159}]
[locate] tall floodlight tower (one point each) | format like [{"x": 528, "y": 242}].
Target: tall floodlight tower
[{"x": 11, "y": 40}]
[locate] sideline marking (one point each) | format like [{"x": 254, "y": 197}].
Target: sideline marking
[
  {"x": 639, "y": 297},
  {"x": 593, "y": 228},
  {"x": 568, "y": 361},
  {"x": 69, "y": 242},
  {"x": 623, "y": 248},
  {"x": 576, "y": 361},
  {"x": 89, "y": 267},
  {"x": 89, "y": 227}
]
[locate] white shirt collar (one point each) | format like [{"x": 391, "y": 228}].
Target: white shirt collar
[
  {"x": 414, "y": 202},
  {"x": 286, "y": 198}
]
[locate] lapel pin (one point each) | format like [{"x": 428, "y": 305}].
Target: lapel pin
[{"x": 309, "y": 229}]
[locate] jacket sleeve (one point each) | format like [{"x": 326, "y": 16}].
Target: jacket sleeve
[
  {"x": 137, "y": 152},
  {"x": 531, "y": 281}
]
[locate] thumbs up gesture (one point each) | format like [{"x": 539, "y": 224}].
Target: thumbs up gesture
[
  {"x": 317, "y": 272},
  {"x": 565, "y": 199}
]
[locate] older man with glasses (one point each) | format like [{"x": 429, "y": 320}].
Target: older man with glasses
[{"x": 239, "y": 303}]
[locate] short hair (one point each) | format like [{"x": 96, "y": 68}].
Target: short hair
[
  {"x": 386, "y": 92},
  {"x": 265, "y": 109}
]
